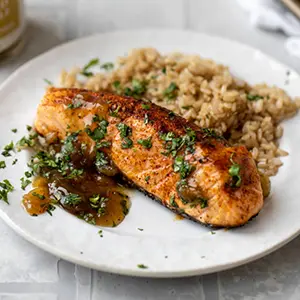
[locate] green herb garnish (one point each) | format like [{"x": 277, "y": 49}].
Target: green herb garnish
[
  {"x": 91, "y": 63},
  {"x": 41, "y": 197},
  {"x": 14, "y": 130},
  {"x": 117, "y": 87},
  {"x": 2, "y": 164},
  {"x": 124, "y": 130},
  {"x": 140, "y": 229},
  {"x": 101, "y": 159},
  {"x": 127, "y": 143},
  {"x": 146, "y": 143},
  {"x": 103, "y": 144},
  {"x": 71, "y": 199},
  {"x": 99, "y": 132},
  {"x": 24, "y": 183},
  {"x": 172, "y": 201},
  {"x": 142, "y": 266},
  {"x": 146, "y": 106},
  {"x": 74, "y": 105},
  {"x": 28, "y": 174},
  {"x": 50, "y": 209},
  {"x": 99, "y": 203},
  {"x": 234, "y": 172},
  {"x": 171, "y": 91},
  {"x": 186, "y": 107},
  {"x": 124, "y": 207},
  {"x": 254, "y": 97},
  {"x": 100, "y": 233},
  {"x": 5, "y": 188},
  {"x": 48, "y": 81},
  {"x": 7, "y": 149},
  {"x": 147, "y": 178},
  {"x": 182, "y": 167},
  {"x": 164, "y": 70},
  {"x": 114, "y": 113},
  {"x": 107, "y": 66},
  {"x": 14, "y": 161},
  {"x": 137, "y": 90}
]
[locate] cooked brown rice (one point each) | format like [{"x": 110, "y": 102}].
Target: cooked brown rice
[{"x": 204, "y": 92}]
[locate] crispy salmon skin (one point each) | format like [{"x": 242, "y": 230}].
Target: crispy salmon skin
[{"x": 188, "y": 169}]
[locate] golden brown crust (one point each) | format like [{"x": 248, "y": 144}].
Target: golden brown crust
[{"x": 227, "y": 206}]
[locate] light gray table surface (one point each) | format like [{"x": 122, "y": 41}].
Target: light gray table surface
[{"x": 28, "y": 273}]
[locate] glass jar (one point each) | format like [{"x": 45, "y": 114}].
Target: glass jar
[{"x": 12, "y": 25}]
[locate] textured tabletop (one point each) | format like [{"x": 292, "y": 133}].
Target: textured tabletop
[{"x": 27, "y": 273}]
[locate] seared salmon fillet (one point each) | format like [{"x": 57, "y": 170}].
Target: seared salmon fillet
[{"x": 188, "y": 169}]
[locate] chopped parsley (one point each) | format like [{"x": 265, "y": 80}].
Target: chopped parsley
[
  {"x": 100, "y": 131},
  {"x": 140, "y": 229},
  {"x": 117, "y": 87},
  {"x": 254, "y": 97},
  {"x": 182, "y": 167},
  {"x": 234, "y": 172},
  {"x": 98, "y": 203},
  {"x": 146, "y": 143},
  {"x": 209, "y": 132},
  {"x": 28, "y": 174},
  {"x": 172, "y": 201},
  {"x": 171, "y": 91},
  {"x": 107, "y": 66},
  {"x": 2, "y": 164},
  {"x": 164, "y": 70},
  {"x": 14, "y": 130},
  {"x": 7, "y": 149},
  {"x": 50, "y": 209},
  {"x": 5, "y": 188},
  {"x": 24, "y": 183},
  {"x": 200, "y": 201},
  {"x": 173, "y": 144},
  {"x": 146, "y": 106},
  {"x": 48, "y": 81},
  {"x": 137, "y": 90},
  {"x": 100, "y": 232},
  {"x": 124, "y": 207},
  {"x": 114, "y": 113},
  {"x": 142, "y": 266},
  {"x": 101, "y": 159},
  {"x": 147, "y": 178},
  {"x": 71, "y": 199},
  {"x": 103, "y": 144},
  {"x": 124, "y": 130},
  {"x": 171, "y": 115},
  {"x": 41, "y": 197},
  {"x": 85, "y": 70},
  {"x": 14, "y": 161},
  {"x": 74, "y": 105}
]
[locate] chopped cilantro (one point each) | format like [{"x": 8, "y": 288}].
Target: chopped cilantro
[
  {"x": 103, "y": 144},
  {"x": 142, "y": 266},
  {"x": 99, "y": 203},
  {"x": 114, "y": 113},
  {"x": 107, "y": 66},
  {"x": 14, "y": 130},
  {"x": 28, "y": 127},
  {"x": 172, "y": 201},
  {"x": 2, "y": 164},
  {"x": 124, "y": 207},
  {"x": 146, "y": 143},
  {"x": 171, "y": 91},
  {"x": 209, "y": 132},
  {"x": 234, "y": 172},
  {"x": 101, "y": 159},
  {"x": 100, "y": 233},
  {"x": 7, "y": 149},
  {"x": 124, "y": 130},
  {"x": 71, "y": 199},
  {"x": 147, "y": 178},
  {"x": 14, "y": 161},
  {"x": 50, "y": 209},
  {"x": 28, "y": 174},
  {"x": 127, "y": 143},
  {"x": 85, "y": 70},
  {"x": 48, "y": 81},
  {"x": 41, "y": 197},
  {"x": 182, "y": 167},
  {"x": 99, "y": 132},
  {"x": 137, "y": 90},
  {"x": 5, "y": 188},
  {"x": 24, "y": 183},
  {"x": 253, "y": 97},
  {"x": 146, "y": 106}
]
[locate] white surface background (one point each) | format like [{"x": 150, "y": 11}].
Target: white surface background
[{"x": 27, "y": 273}]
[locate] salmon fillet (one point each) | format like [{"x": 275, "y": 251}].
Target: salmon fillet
[{"x": 205, "y": 180}]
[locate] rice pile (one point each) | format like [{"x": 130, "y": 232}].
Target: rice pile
[{"x": 204, "y": 92}]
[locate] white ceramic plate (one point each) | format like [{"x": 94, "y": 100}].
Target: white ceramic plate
[{"x": 168, "y": 247}]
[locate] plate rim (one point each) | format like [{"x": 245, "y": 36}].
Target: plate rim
[{"x": 147, "y": 272}]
